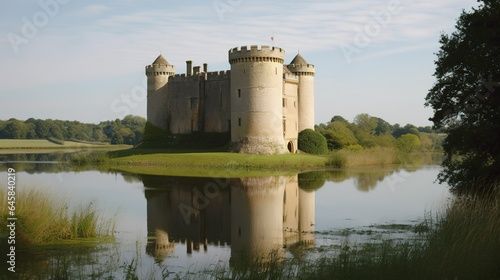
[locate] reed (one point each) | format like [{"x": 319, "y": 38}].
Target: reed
[{"x": 43, "y": 216}]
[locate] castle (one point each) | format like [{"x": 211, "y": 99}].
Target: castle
[{"x": 262, "y": 102}]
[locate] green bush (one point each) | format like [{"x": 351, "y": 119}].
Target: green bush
[{"x": 312, "y": 142}]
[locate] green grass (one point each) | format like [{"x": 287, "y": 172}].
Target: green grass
[
  {"x": 216, "y": 164},
  {"x": 44, "y": 217},
  {"x": 45, "y": 144}
]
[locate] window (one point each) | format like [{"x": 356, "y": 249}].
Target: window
[
  {"x": 193, "y": 103},
  {"x": 284, "y": 102},
  {"x": 239, "y": 92},
  {"x": 239, "y": 121}
]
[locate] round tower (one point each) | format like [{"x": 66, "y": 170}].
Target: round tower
[
  {"x": 305, "y": 72},
  {"x": 256, "y": 100},
  {"x": 158, "y": 73}
]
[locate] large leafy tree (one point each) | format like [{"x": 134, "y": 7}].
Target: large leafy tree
[{"x": 466, "y": 97}]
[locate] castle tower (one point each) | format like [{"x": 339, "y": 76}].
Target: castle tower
[
  {"x": 256, "y": 100},
  {"x": 305, "y": 71},
  {"x": 158, "y": 73}
]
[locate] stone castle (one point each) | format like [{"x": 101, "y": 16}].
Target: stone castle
[{"x": 262, "y": 102}]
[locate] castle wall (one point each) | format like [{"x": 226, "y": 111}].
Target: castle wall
[
  {"x": 184, "y": 103},
  {"x": 256, "y": 100},
  {"x": 217, "y": 113}
]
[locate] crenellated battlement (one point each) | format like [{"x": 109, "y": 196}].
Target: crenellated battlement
[
  {"x": 184, "y": 78},
  {"x": 210, "y": 76},
  {"x": 218, "y": 75},
  {"x": 256, "y": 54},
  {"x": 302, "y": 69},
  {"x": 290, "y": 78},
  {"x": 156, "y": 70}
]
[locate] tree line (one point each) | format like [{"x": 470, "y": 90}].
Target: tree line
[
  {"x": 128, "y": 130},
  {"x": 367, "y": 132}
]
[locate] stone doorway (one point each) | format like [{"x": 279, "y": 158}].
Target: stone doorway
[{"x": 291, "y": 148}]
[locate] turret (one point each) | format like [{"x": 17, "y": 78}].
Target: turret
[
  {"x": 305, "y": 72},
  {"x": 256, "y": 100},
  {"x": 158, "y": 73}
]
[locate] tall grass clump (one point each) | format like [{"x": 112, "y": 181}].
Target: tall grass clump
[
  {"x": 43, "y": 216},
  {"x": 336, "y": 160},
  {"x": 89, "y": 158},
  {"x": 466, "y": 242},
  {"x": 368, "y": 157}
]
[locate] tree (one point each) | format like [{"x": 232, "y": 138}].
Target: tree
[
  {"x": 339, "y": 136},
  {"x": 466, "y": 97},
  {"x": 15, "y": 129},
  {"x": 408, "y": 143},
  {"x": 366, "y": 123}
]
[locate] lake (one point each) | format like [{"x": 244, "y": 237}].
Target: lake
[{"x": 168, "y": 226}]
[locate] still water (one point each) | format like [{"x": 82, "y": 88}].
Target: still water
[{"x": 173, "y": 225}]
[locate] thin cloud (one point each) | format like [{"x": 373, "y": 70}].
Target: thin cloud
[{"x": 92, "y": 10}]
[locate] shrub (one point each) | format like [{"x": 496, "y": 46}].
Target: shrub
[{"x": 312, "y": 142}]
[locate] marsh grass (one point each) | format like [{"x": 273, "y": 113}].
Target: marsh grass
[
  {"x": 369, "y": 157},
  {"x": 44, "y": 217},
  {"x": 380, "y": 156}
]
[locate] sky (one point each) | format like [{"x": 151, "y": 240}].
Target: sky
[{"x": 84, "y": 60}]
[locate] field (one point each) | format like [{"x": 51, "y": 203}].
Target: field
[{"x": 12, "y": 144}]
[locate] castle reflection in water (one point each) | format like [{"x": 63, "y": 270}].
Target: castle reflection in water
[{"x": 255, "y": 215}]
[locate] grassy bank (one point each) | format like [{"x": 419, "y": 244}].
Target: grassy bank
[
  {"x": 216, "y": 164},
  {"x": 210, "y": 163},
  {"x": 44, "y": 217}
]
